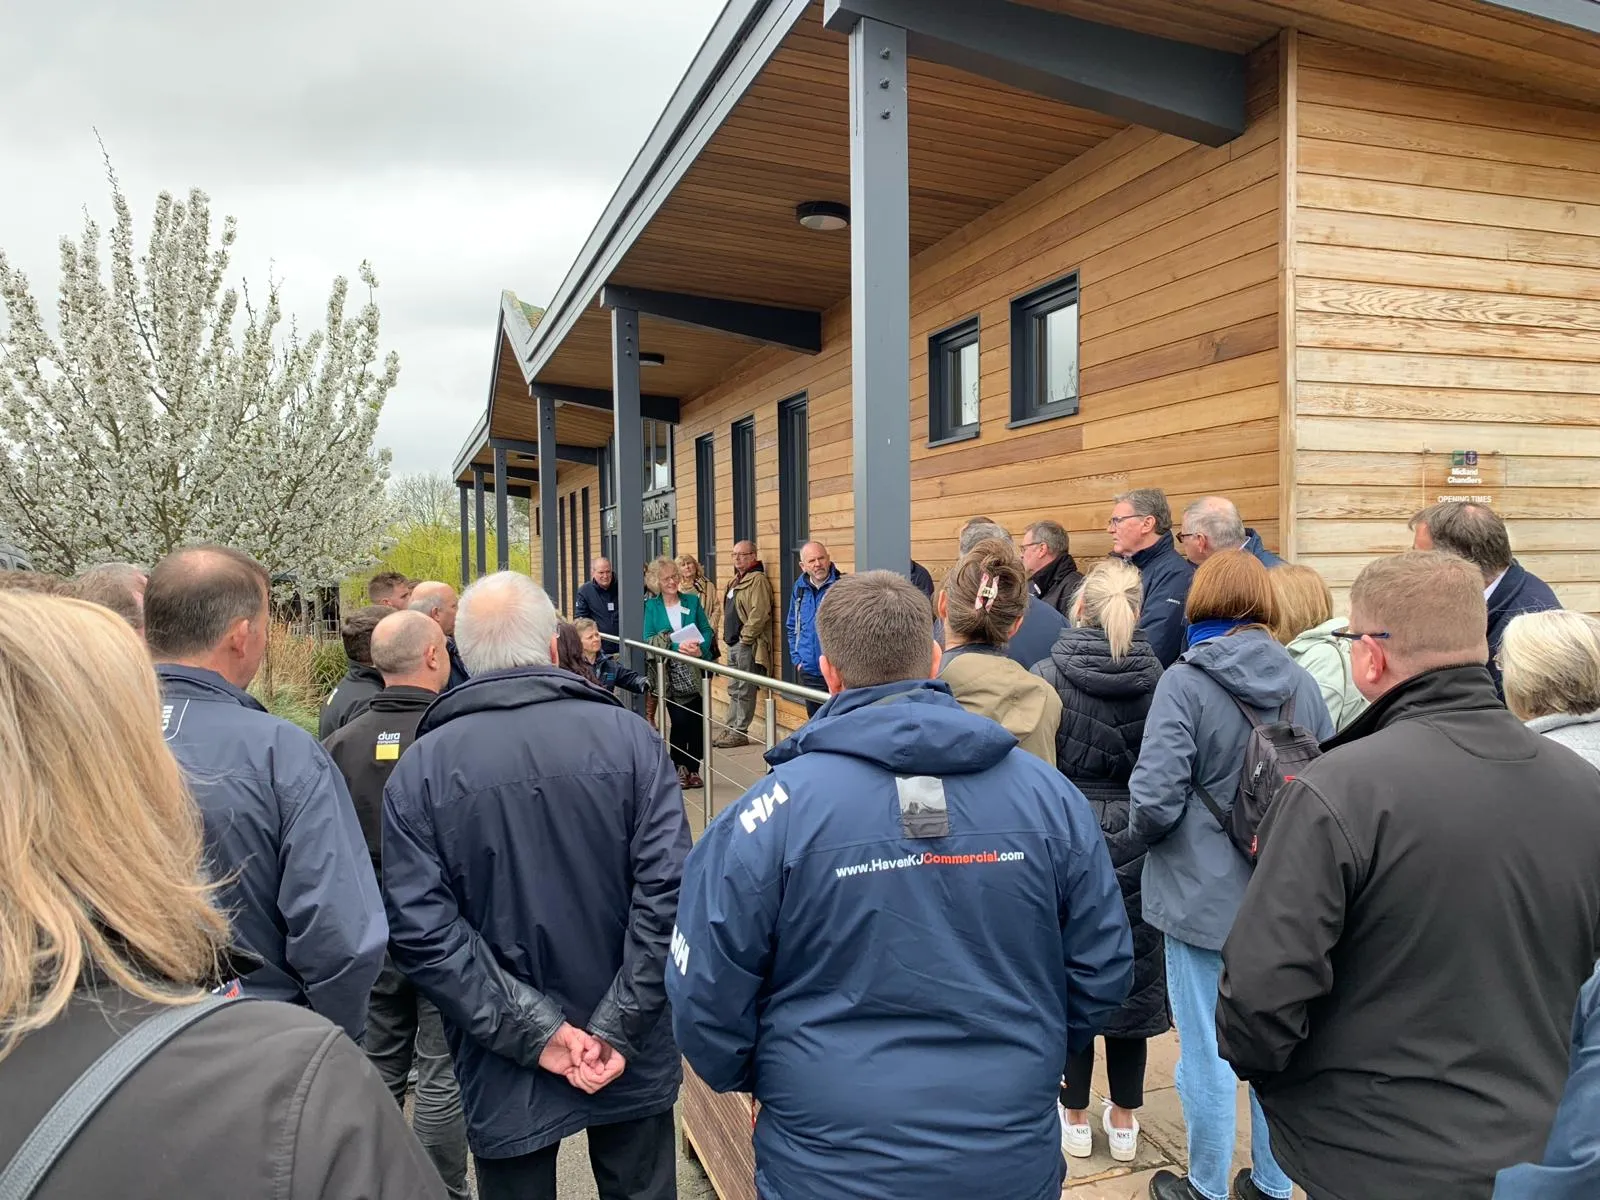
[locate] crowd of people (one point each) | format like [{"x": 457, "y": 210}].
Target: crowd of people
[{"x": 1048, "y": 807}]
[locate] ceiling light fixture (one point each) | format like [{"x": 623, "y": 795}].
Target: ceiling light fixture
[
  {"x": 823, "y": 216},
  {"x": 648, "y": 358}
]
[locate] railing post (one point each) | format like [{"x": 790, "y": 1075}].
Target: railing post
[
  {"x": 772, "y": 718},
  {"x": 661, "y": 696},
  {"x": 705, "y": 747}
]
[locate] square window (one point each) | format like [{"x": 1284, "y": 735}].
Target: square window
[
  {"x": 1044, "y": 352},
  {"x": 954, "y": 411}
]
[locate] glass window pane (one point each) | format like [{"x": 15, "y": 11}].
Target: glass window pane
[
  {"x": 966, "y": 381},
  {"x": 663, "y": 456},
  {"x": 1060, "y": 374}
]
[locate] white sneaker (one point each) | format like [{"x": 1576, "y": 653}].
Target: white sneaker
[
  {"x": 1076, "y": 1140},
  {"x": 1124, "y": 1142}
]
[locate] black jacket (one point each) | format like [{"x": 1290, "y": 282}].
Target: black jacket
[
  {"x": 1165, "y": 576},
  {"x": 259, "y": 1101},
  {"x": 610, "y": 672},
  {"x": 367, "y": 748},
  {"x": 1517, "y": 592},
  {"x": 598, "y": 604},
  {"x": 1057, "y": 584},
  {"x": 1103, "y": 707},
  {"x": 360, "y": 684},
  {"x": 1401, "y": 978},
  {"x": 533, "y": 843},
  {"x": 921, "y": 577},
  {"x": 458, "y": 669}
]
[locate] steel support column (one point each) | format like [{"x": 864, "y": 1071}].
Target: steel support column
[
  {"x": 630, "y": 479},
  {"x": 880, "y": 296},
  {"x": 466, "y": 542},
  {"x": 549, "y": 547},
  {"x": 483, "y": 548},
  {"x": 502, "y": 514}
]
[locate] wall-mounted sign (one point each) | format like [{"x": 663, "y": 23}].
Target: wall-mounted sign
[
  {"x": 1465, "y": 476},
  {"x": 661, "y": 509}
]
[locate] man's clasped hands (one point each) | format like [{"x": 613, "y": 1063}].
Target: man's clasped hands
[{"x": 586, "y": 1062}]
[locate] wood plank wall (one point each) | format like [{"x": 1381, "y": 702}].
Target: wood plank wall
[
  {"x": 569, "y": 490},
  {"x": 1447, "y": 269},
  {"x": 1176, "y": 246}
]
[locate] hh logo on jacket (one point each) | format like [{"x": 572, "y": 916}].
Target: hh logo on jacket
[{"x": 762, "y": 807}]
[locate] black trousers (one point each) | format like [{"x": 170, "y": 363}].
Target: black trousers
[
  {"x": 1125, "y": 1059},
  {"x": 685, "y": 734},
  {"x": 807, "y": 679},
  {"x": 634, "y": 1160}
]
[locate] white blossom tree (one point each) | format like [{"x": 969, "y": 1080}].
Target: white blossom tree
[{"x": 166, "y": 410}]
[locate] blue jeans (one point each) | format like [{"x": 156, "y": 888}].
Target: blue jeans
[{"x": 1207, "y": 1086}]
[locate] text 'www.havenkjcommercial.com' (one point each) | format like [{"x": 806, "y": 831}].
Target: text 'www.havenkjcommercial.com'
[{"x": 931, "y": 860}]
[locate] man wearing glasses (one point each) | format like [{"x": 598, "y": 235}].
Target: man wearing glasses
[
  {"x": 1402, "y": 975},
  {"x": 1141, "y": 532}
]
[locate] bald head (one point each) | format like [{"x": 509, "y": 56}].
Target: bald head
[
  {"x": 408, "y": 648},
  {"x": 814, "y": 561},
  {"x": 437, "y": 600}
]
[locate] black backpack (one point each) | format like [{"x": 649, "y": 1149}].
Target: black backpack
[{"x": 1274, "y": 753}]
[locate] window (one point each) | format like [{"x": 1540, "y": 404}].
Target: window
[
  {"x": 657, "y": 456},
  {"x": 588, "y": 534},
  {"x": 608, "y": 500},
  {"x": 744, "y": 480},
  {"x": 953, "y": 383},
  {"x": 562, "y": 600},
  {"x": 577, "y": 568},
  {"x": 794, "y": 494},
  {"x": 705, "y": 502},
  {"x": 1044, "y": 353}
]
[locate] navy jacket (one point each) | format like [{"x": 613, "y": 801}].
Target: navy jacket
[
  {"x": 1252, "y": 545},
  {"x": 533, "y": 842},
  {"x": 458, "y": 669},
  {"x": 893, "y": 941},
  {"x": 1571, "y": 1166},
  {"x": 805, "y": 651},
  {"x": 598, "y": 604},
  {"x": 280, "y": 826},
  {"x": 1165, "y": 576},
  {"x": 1517, "y": 592},
  {"x": 921, "y": 577},
  {"x": 361, "y": 682}
]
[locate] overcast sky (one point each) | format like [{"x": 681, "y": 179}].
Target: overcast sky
[{"x": 461, "y": 147}]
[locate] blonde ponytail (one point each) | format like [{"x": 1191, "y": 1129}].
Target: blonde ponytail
[{"x": 1109, "y": 600}]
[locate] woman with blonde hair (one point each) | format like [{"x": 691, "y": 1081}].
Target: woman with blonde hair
[
  {"x": 676, "y": 620},
  {"x": 984, "y": 599},
  {"x": 108, "y": 923},
  {"x": 1305, "y": 627},
  {"x": 1550, "y": 662},
  {"x": 1105, "y": 672},
  {"x": 693, "y": 578}
]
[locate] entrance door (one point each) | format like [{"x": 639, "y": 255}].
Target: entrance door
[{"x": 794, "y": 501}]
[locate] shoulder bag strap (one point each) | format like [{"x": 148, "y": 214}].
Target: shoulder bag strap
[{"x": 79, "y": 1103}]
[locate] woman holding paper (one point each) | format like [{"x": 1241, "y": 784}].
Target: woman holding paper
[{"x": 677, "y": 620}]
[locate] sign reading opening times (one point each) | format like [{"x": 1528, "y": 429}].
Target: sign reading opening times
[{"x": 1464, "y": 476}]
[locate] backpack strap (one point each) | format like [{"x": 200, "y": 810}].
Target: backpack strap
[{"x": 79, "y": 1103}]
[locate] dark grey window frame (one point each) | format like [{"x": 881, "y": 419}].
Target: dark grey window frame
[
  {"x": 744, "y": 479},
  {"x": 705, "y": 502},
  {"x": 563, "y": 601},
  {"x": 1028, "y": 315},
  {"x": 794, "y": 497},
  {"x": 944, "y": 407}
]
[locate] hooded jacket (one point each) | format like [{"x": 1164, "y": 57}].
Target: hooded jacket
[
  {"x": 1570, "y": 1168},
  {"x": 280, "y": 828},
  {"x": 805, "y": 651},
  {"x": 361, "y": 683},
  {"x": 533, "y": 841},
  {"x": 1104, "y": 703},
  {"x": 1425, "y": 910},
  {"x": 1517, "y": 592},
  {"x": 1328, "y": 661},
  {"x": 1253, "y": 546},
  {"x": 1578, "y": 733},
  {"x": 893, "y": 941},
  {"x": 984, "y": 681},
  {"x": 747, "y": 614},
  {"x": 1194, "y": 877},
  {"x": 1164, "y": 578},
  {"x": 1057, "y": 584}
]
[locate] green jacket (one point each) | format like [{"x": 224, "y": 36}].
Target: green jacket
[
  {"x": 1327, "y": 660},
  {"x": 658, "y": 627}
]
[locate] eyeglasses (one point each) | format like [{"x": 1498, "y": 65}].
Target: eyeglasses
[
  {"x": 1115, "y": 521},
  {"x": 1350, "y": 635},
  {"x": 1029, "y": 545},
  {"x": 1184, "y": 537}
]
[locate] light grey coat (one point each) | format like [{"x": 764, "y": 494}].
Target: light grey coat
[
  {"x": 1194, "y": 878},
  {"x": 1580, "y": 734}
]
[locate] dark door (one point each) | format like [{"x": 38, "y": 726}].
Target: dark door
[
  {"x": 794, "y": 500},
  {"x": 744, "y": 480},
  {"x": 705, "y": 502}
]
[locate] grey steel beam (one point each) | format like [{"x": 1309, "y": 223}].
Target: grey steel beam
[
  {"x": 549, "y": 547},
  {"x": 1176, "y": 87},
  {"x": 656, "y": 408},
  {"x": 629, "y": 566},
  {"x": 1580, "y": 14},
  {"x": 587, "y": 455},
  {"x": 483, "y": 546},
  {"x": 502, "y": 514},
  {"x": 880, "y": 296},
  {"x": 466, "y": 541},
  {"x": 522, "y": 474},
  {"x": 793, "y": 328}
]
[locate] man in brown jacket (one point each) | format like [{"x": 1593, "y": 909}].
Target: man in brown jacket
[{"x": 747, "y": 608}]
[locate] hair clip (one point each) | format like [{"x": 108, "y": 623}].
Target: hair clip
[{"x": 988, "y": 589}]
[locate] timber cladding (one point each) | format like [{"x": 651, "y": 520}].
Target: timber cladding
[{"x": 1447, "y": 306}]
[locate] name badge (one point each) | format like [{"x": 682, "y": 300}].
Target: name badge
[{"x": 611, "y": 607}]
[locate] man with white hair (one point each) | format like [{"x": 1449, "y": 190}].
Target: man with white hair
[
  {"x": 118, "y": 586},
  {"x": 1212, "y": 523},
  {"x": 533, "y": 842},
  {"x": 438, "y": 600}
]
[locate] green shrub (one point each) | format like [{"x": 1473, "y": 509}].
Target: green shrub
[{"x": 328, "y": 665}]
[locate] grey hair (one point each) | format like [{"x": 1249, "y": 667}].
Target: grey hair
[
  {"x": 981, "y": 529},
  {"x": 1051, "y": 536},
  {"x": 1149, "y": 502},
  {"x": 1218, "y": 518},
  {"x": 429, "y": 605},
  {"x": 506, "y": 620}
]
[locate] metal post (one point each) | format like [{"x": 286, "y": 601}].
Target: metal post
[
  {"x": 661, "y": 696},
  {"x": 772, "y": 718},
  {"x": 483, "y": 548},
  {"x": 630, "y": 478},
  {"x": 466, "y": 541},
  {"x": 706, "y": 772},
  {"x": 880, "y": 296},
  {"x": 502, "y": 514},
  {"x": 550, "y": 548}
]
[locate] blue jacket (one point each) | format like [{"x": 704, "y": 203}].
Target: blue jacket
[
  {"x": 1571, "y": 1166},
  {"x": 805, "y": 651},
  {"x": 458, "y": 668},
  {"x": 1517, "y": 592},
  {"x": 533, "y": 842},
  {"x": 280, "y": 826},
  {"x": 899, "y": 998},
  {"x": 1253, "y": 545},
  {"x": 1165, "y": 576}
]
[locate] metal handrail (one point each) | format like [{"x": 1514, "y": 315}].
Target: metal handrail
[{"x": 784, "y": 688}]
